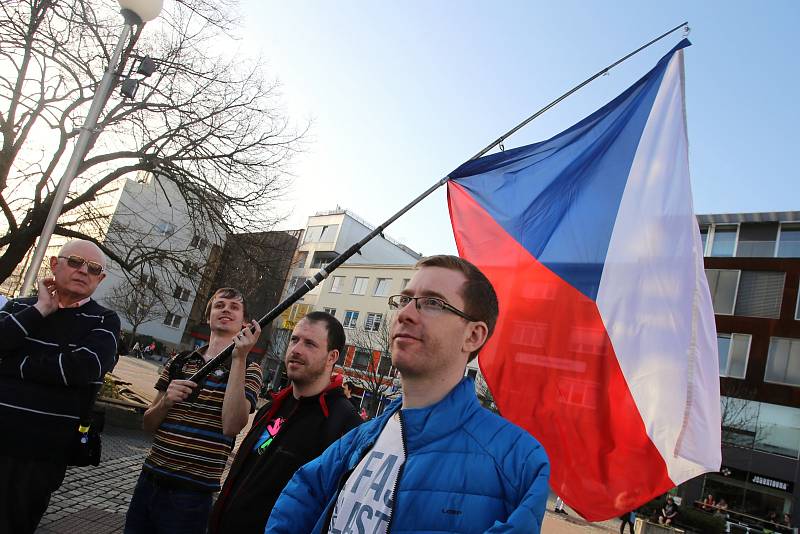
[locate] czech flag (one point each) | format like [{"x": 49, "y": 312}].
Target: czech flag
[{"x": 605, "y": 349}]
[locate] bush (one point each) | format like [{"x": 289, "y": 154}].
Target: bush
[
  {"x": 700, "y": 521},
  {"x": 688, "y": 518}
]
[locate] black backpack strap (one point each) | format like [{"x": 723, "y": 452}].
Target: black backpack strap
[
  {"x": 342, "y": 417},
  {"x": 175, "y": 369}
]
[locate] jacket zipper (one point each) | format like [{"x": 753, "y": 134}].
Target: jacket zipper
[{"x": 399, "y": 472}]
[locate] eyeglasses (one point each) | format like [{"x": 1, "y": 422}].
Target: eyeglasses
[
  {"x": 76, "y": 262},
  {"x": 426, "y": 304}
]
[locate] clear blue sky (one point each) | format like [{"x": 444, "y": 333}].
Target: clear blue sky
[{"x": 401, "y": 93}]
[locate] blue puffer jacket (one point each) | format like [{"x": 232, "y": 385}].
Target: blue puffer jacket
[{"x": 466, "y": 470}]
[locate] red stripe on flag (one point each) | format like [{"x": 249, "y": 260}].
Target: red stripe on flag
[{"x": 552, "y": 370}]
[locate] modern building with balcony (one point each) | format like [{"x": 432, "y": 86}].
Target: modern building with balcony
[{"x": 752, "y": 263}]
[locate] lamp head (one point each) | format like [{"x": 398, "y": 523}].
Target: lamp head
[{"x": 146, "y": 10}]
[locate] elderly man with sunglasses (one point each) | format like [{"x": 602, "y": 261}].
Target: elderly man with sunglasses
[
  {"x": 435, "y": 460},
  {"x": 56, "y": 347}
]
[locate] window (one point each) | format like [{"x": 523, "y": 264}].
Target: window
[
  {"x": 321, "y": 259},
  {"x": 148, "y": 281},
  {"x": 783, "y": 361},
  {"x": 472, "y": 373},
  {"x": 382, "y": 287},
  {"x": 362, "y": 359},
  {"x": 733, "y": 352},
  {"x": 295, "y": 283},
  {"x": 336, "y": 284},
  {"x": 789, "y": 241},
  {"x": 329, "y": 233},
  {"x": 723, "y": 284},
  {"x": 350, "y": 319},
  {"x": 164, "y": 228},
  {"x": 724, "y": 242},
  {"x": 360, "y": 285},
  {"x": 765, "y": 427},
  {"x": 739, "y": 421},
  {"x": 797, "y": 308},
  {"x": 778, "y": 430},
  {"x": 530, "y": 334},
  {"x": 172, "y": 320},
  {"x": 331, "y": 311},
  {"x": 321, "y": 234},
  {"x": 757, "y": 240},
  {"x": 704, "y": 238},
  {"x": 405, "y": 283},
  {"x": 300, "y": 260},
  {"x": 189, "y": 268},
  {"x": 181, "y": 293},
  {"x": 587, "y": 340},
  {"x": 760, "y": 294},
  {"x": 373, "y": 322},
  {"x": 385, "y": 365},
  {"x": 198, "y": 242}
]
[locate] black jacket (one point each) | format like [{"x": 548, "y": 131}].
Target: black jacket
[
  {"x": 247, "y": 497},
  {"x": 50, "y": 369}
]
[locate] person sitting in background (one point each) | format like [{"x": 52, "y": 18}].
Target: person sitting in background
[
  {"x": 772, "y": 516},
  {"x": 708, "y": 503},
  {"x": 669, "y": 512}
]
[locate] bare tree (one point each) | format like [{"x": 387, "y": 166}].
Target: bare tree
[
  {"x": 739, "y": 416},
  {"x": 137, "y": 301},
  {"x": 375, "y": 376},
  {"x": 206, "y": 125}
]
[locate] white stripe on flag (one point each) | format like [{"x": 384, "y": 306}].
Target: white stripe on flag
[{"x": 654, "y": 299}]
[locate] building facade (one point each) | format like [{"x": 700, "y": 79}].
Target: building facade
[
  {"x": 752, "y": 263},
  {"x": 144, "y": 220},
  {"x": 256, "y": 264},
  {"x": 358, "y": 296},
  {"x": 328, "y": 234}
]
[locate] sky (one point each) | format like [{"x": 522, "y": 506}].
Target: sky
[{"x": 401, "y": 93}]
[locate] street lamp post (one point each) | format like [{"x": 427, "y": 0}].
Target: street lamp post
[{"x": 135, "y": 12}]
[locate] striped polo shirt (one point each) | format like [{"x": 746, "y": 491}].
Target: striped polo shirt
[{"x": 189, "y": 447}]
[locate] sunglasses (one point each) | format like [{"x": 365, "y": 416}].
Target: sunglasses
[{"x": 76, "y": 262}]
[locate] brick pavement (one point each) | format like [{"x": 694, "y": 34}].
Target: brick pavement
[{"x": 93, "y": 500}]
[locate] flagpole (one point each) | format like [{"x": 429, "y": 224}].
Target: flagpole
[{"x": 323, "y": 273}]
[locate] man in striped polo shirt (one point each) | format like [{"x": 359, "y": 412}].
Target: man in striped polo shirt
[
  {"x": 194, "y": 437},
  {"x": 54, "y": 350}
]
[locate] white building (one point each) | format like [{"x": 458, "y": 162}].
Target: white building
[
  {"x": 326, "y": 235},
  {"x": 151, "y": 215},
  {"x": 139, "y": 215}
]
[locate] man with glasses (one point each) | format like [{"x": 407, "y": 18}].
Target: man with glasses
[
  {"x": 435, "y": 460},
  {"x": 56, "y": 348}
]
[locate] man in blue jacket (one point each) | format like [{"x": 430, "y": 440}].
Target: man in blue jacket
[{"x": 435, "y": 461}]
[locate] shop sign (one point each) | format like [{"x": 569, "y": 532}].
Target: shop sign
[{"x": 772, "y": 483}]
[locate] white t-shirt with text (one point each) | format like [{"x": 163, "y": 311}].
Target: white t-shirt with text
[{"x": 364, "y": 505}]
